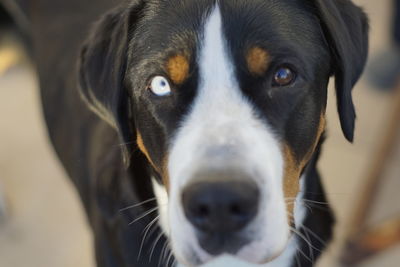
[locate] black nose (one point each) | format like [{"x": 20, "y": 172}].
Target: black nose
[{"x": 221, "y": 207}]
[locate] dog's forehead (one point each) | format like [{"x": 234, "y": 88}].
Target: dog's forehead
[{"x": 179, "y": 24}]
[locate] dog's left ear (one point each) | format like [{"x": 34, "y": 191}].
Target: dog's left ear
[
  {"x": 346, "y": 29},
  {"x": 102, "y": 70}
]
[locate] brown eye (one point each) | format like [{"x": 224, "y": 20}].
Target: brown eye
[{"x": 284, "y": 76}]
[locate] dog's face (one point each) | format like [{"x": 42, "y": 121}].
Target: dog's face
[
  {"x": 228, "y": 111},
  {"x": 227, "y": 102}
]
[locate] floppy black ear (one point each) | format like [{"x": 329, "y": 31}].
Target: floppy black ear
[
  {"x": 102, "y": 70},
  {"x": 346, "y": 30}
]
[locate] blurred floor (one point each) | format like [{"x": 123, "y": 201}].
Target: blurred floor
[{"x": 46, "y": 226}]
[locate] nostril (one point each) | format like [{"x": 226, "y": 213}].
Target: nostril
[
  {"x": 235, "y": 209},
  {"x": 240, "y": 214},
  {"x": 203, "y": 211}
]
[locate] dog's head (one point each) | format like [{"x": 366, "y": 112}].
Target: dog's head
[{"x": 227, "y": 100}]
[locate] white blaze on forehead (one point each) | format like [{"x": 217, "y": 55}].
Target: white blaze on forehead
[
  {"x": 222, "y": 119},
  {"x": 215, "y": 67},
  {"x": 221, "y": 116}
]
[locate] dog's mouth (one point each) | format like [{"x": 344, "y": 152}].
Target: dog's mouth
[
  {"x": 211, "y": 249},
  {"x": 196, "y": 258}
]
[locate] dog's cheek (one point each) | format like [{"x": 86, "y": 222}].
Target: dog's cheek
[
  {"x": 165, "y": 172},
  {"x": 290, "y": 180},
  {"x": 143, "y": 149},
  {"x": 161, "y": 168},
  {"x": 293, "y": 167}
]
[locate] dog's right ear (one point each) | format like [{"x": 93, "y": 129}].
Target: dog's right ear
[
  {"x": 346, "y": 29},
  {"x": 102, "y": 69}
]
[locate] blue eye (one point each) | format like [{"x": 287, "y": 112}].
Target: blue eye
[
  {"x": 284, "y": 76},
  {"x": 160, "y": 86}
]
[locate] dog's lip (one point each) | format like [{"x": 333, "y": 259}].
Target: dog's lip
[
  {"x": 273, "y": 257},
  {"x": 234, "y": 256},
  {"x": 199, "y": 257},
  {"x": 196, "y": 261}
]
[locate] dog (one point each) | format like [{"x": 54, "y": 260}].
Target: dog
[{"x": 192, "y": 129}]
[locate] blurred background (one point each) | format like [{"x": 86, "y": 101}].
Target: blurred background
[{"x": 42, "y": 223}]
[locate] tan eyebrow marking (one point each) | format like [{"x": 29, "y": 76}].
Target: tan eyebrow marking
[
  {"x": 178, "y": 68},
  {"x": 257, "y": 60}
]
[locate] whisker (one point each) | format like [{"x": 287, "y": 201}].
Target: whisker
[
  {"x": 155, "y": 228},
  {"x": 326, "y": 193},
  {"x": 169, "y": 258},
  {"x": 292, "y": 200},
  {"x": 305, "y": 256},
  {"x": 304, "y": 238},
  {"x": 314, "y": 235},
  {"x": 127, "y": 143},
  {"x": 309, "y": 204},
  {"x": 163, "y": 251},
  {"x": 308, "y": 207},
  {"x": 305, "y": 204},
  {"x": 138, "y": 204},
  {"x": 311, "y": 252},
  {"x": 166, "y": 252},
  {"x": 158, "y": 238},
  {"x": 318, "y": 206},
  {"x": 315, "y": 202},
  {"x": 144, "y": 215},
  {"x": 146, "y": 230}
]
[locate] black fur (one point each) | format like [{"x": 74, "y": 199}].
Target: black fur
[
  {"x": 103, "y": 66},
  {"x": 317, "y": 229},
  {"x": 346, "y": 30},
  {"x": 108, "y": 64}
]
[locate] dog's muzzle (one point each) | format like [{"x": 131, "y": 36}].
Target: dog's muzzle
[{"x": 220, "y": 204}]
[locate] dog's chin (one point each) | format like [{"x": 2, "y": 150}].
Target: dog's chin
[
  {"x": 203, "y": 259},
  {"x": 213, "y": 261},
  {"x": 260, "y": 259},
  {"x": 271, "y": 257}
]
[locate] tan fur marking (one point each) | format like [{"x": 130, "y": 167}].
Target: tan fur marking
[
  {"x": 291, "y": 177},
  {"x": 321, "y": 129},
  {"x": 165, "y": 173},
  {"x": 257, "y": 60},
  {"x": 141, "y": 146},
  {"x": 178, "y": 68},
  {"x": 163, "y": 170},
  {"x": 293, "y": 169}
]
